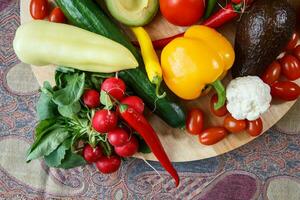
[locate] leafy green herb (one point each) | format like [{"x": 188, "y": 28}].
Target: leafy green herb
[
  {"x": 73, "y": 90},
  {"x": 69, "y": 111},
  {"x": 105, "y": 100},
  {"x": 71, "y": 160},
  {"x": 55, "y": 158},
  {"x": 48, "y": 143},
  {"x": 46, "y": 108}
]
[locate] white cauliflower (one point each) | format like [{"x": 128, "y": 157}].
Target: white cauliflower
[{"x": 248, "y": 97}]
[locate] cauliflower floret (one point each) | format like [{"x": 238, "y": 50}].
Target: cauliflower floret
[{"x": 248, "y": 97}]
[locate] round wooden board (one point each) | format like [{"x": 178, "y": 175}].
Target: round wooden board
[{"x": 179, "y": 145}]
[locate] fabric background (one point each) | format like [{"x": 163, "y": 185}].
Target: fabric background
[{"x": 267, "y": 168}]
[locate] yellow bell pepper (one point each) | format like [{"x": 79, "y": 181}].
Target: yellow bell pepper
[{"x": 202, "y": 56}]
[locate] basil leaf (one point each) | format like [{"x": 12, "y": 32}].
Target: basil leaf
[
  {"x": 105, "y": 100},
  {"x": 46, "y": 108},
  {"x": 73, "y": 90},
  {"x": 48, "y": 143},
  {"x": 70, "y": 110},
  {"x": 71, "y": 160},
  {"x": 55, "y": 158}
]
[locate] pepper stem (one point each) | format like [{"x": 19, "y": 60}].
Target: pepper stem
[
  {"x": 220, "y": 89},
  {"x": 160, "y": 96}
]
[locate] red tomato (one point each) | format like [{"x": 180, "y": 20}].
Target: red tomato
[
  {"x": 221, "y": 111},
  {"x": 38, "y": 9},
  {"x": 91, "y": 98},
  {"x": 293, "y": 42},
  {"x": 272, "y": 73},
  {"x": 118, "y": 137},
  {"x": 91, "y": 154},
  {"x": 182, "y": 12},
  {"x": 194, "y": 122},
  {"x": 290, "y": 67},
  {"x": 296, "y": 52},
  {"x": 57, "y": 16},
  {"x": 254, "y": 128},
  {"x": 104, "y": 121},
  {"x": 114, "y": 87},
  {"x": 234, "y": 125},
  {"x": 108, "y": 165},
  {"x": 128, "y": 149},
  {"x": 212, "y": 135},
  {"x": 285, "y": 90}
]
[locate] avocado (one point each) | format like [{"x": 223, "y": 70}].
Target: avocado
[
  {"x": 262, "y": 34},
  {"x": 133, "y": 12}
]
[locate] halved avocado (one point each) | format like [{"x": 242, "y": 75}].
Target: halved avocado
[{"x": 133, "y": 12}]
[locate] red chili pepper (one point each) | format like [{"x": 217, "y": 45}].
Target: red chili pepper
[
  {"x": 139, "y": 123},
  {"x": 221, "y": 17}
]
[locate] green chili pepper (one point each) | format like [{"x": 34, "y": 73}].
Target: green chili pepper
[{"x": 209, "y": 8}]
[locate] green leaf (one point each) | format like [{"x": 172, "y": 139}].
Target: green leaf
[
  {"x": 48, "y": 143},
  {"x": 73, "y": 90},
  {"x": 96, "y": 81},
  {"x": 55, "y": 158},
  {"x": 105, "y": 100},
  {"x": 143, "y": 147},
  {"x": 71, "y": 160},
  {"x": 70, "y": 110},
  {"x": 46, "y": 108},
  {"x": 65, "y": 69},
  {"x": 47, "y": 89}
]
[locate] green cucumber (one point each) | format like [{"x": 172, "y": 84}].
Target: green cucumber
[{"x": 88, "y": 15}]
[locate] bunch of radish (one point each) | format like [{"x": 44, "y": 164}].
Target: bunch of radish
[{"x": 106, "y": 122}]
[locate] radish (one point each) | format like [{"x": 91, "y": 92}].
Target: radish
[
  {"x": 91, "y": 154},
  {"x": 104, "y": 121},
  {"x": 128, "y": 149},
  {"x": 118, "y": 137},
  {"x": 91, "y": 98},
  {"x": 108, "y": 165},
  {"x": 135, "y": 102},
  {"x": 114, "y": 87}
]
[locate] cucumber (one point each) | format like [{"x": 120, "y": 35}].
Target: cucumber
[{"x": 88, "y": 15}]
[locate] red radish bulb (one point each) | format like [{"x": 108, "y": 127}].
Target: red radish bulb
[
  {"x": 135, "y": 102},
  {"x": 108, "y": 165},
  {"x": 118, "y": 137},
  {"x": 104, "y": 121},
  {"x": 91, "y": 154},
  {"x": 114, "y": 87},
  {"x": 91, "y": 98},
  {"x": 128, "y": 149}
]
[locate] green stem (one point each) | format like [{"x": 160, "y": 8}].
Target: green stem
[
  {"x": 160, "y": 96},
  {"x": 221, "y": 94},
  {"x": 209, "y": 8}
]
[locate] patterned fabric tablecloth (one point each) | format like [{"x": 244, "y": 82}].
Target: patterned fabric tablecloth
[{"x": 267, "y": 168}]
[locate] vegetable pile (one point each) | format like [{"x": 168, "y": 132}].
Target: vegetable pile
[{"x": 95, "y": 112}]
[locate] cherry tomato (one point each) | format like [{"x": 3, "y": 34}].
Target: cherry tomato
[
  {"x": 108, "y": 165},
  {"x": 91, "y": 154},
  {"x": 296, "y": 52},
  {"x": 234, "y": 125},
  {"x": 272, "y": 73},
  {"x": 182, "y": 12},
  {"x": 195, "y": 121},
  {"x": 285, "y": 90},
  {"x": 221, "y": 111},
  {"x": 104, "y": 120},
  {"x": 128, "y": 149},
  {"x": 212, "y": 135},
  {"x": 293, "y": 42},
  {"x": 255, "y": 127},
  {"x": 290, "y": 67},
  {"x": 118, "y": 137},
  {"x": 38, "y": 9},
  {"x": 57, "y": 16}
]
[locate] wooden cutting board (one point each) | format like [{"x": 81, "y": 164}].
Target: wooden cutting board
[{"x": 179, "y": 145}]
